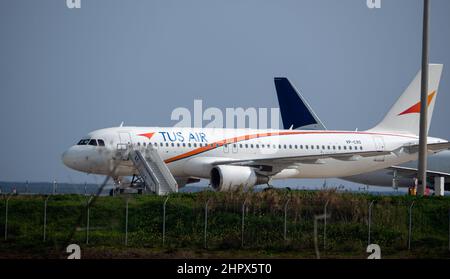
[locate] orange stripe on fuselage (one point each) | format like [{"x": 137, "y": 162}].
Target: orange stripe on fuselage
[
  {"x": 223, "y": 142},
  {"x": 220, "y": 143}
]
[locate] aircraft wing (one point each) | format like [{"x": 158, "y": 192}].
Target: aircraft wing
[
  {"x": 432, "y": 147},
  {"x": 273, "y": 165},
  {"x": 413, "y": 172}
]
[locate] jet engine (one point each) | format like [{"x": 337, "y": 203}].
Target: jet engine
[{"x": 225, "y": 178}]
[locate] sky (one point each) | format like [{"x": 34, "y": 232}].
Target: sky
[{"x": 65, "y": 72}]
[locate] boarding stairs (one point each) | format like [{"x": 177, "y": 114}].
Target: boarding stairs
[{"x": 153, "y": 171}]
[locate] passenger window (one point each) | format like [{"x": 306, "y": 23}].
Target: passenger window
[
  {"x": 301, "y": 146},
  {"x": 93, "y": 142},
  {"x": 284, "y": 146},
  {"x": 184, "y": 144},
  {"x": 312, "y": 146},
  {"x": 161, "y": 144},
  {"x": 306, "y": 146},
  {"x": 339, "y": 147},
  {"x": 257, "y": 146},
  {"x": 246, "y": 145},
  {"x": 240, "y": 145},
  {"x": 195, "y": 145},
  {"x": 101, "y": 142},
  {"x": 345, "y": 147},
  {"x": 173, "y": 144}
]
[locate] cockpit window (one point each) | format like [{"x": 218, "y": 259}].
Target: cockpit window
[
  {"x": 101, "y": 142},
  {"x": 83, "y": 142},
  {"x": 93, "y": 142}
]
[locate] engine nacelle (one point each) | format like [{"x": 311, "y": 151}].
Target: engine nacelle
[{"x": 225, "y": 178}]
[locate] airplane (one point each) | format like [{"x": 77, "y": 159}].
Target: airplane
[
  {"x": 233, "y": 158},
  {"x": 297, "y": 113}
]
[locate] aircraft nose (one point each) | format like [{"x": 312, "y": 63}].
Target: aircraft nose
[{"x": 68, "y": 158}]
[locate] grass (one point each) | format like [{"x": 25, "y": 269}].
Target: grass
[{"x": 346, "y": 237}]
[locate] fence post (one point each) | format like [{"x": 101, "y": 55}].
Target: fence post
[
  {"x": 6, "y": 217},
  {"x": 316, "y": 245},
  {"x": 410, "y": 225},
  {"x": 285, "y": 219},
  {"x": 164, "y": 222},
  {"x": 316, "y": 242},
  {"x": 243, "y": 222},
  {"x": 126, "y": 222},
  {"x": 45, "y": 218},
  {"x": 370, "y": 221},
  {"x": 88, "y": 209},
  {"x": 54, "y": 187},
  {"x": 206, "y": 222},
  {"x": 325, "y": 224}
]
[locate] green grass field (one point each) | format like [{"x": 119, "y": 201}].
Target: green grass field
[{"x": 346, "y": 230}]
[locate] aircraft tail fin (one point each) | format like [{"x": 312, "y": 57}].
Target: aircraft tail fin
[
  {"x": 404, "y": 115},
  {"x": 295, "y": 110}
]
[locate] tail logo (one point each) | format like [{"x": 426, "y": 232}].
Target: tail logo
[{"x": 416, "y": 108}]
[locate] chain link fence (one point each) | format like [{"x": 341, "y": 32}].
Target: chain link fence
[{"x": 272, "y": 221}]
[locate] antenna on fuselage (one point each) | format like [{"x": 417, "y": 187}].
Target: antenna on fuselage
[{"x": 121, "y": 124}]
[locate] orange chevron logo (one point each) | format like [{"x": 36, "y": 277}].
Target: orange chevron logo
[
  {"x": 416, "y": 108},
  {"x": 147, "y": 135}
]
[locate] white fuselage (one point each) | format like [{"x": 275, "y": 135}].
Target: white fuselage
[{"x": 187, "y": 151}]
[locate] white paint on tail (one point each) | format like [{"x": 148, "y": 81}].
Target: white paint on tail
[{"x": 404, "y": 116}]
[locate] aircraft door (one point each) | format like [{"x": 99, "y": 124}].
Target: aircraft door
[
  {"x": 124, "y": 144},
  {"x": 379, "y": 146}
]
